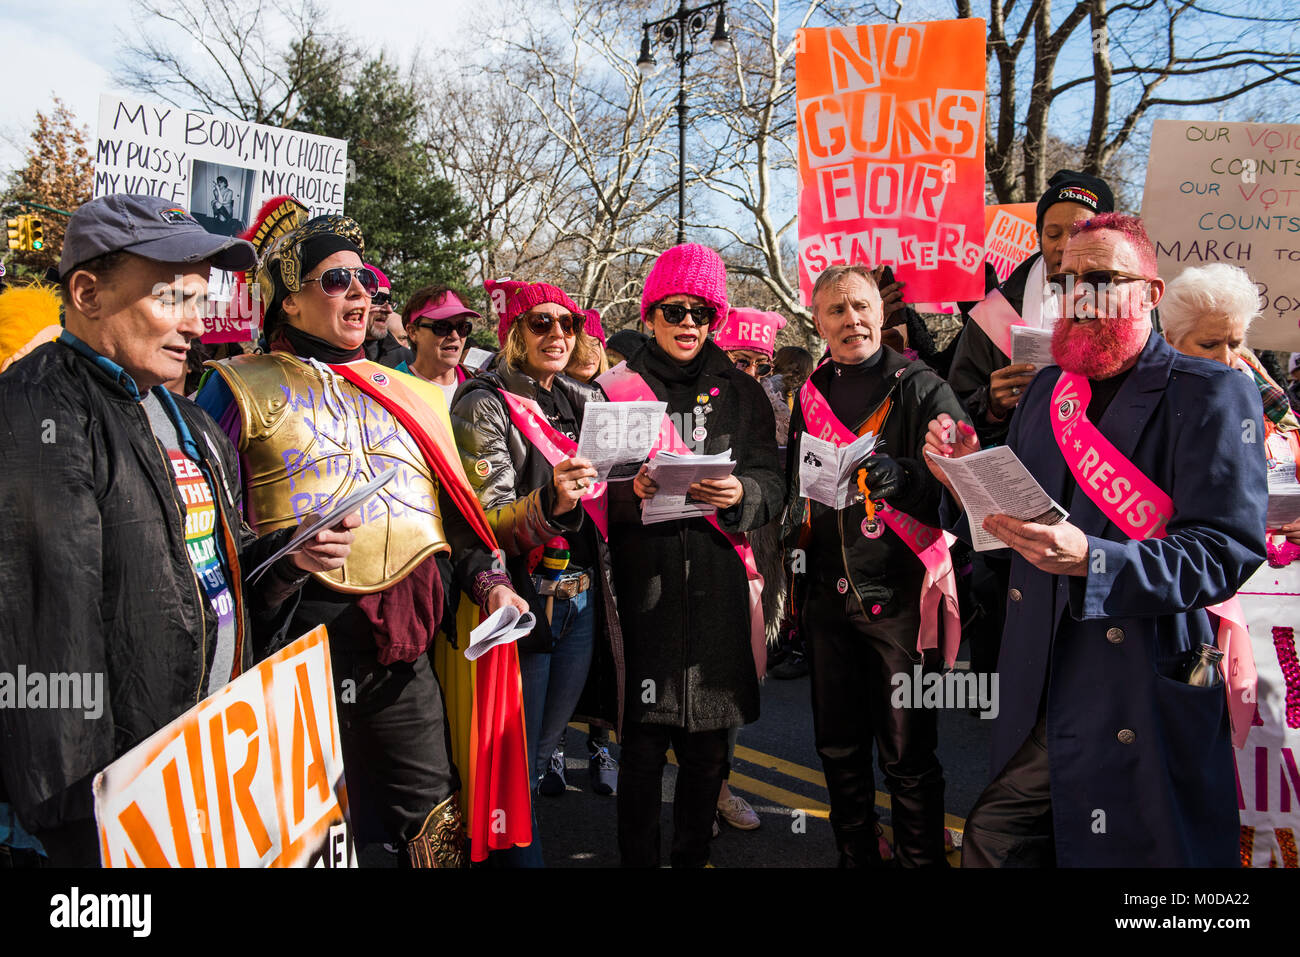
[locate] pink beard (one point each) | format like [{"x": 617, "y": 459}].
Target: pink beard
[{"x": 1099, "y": 348}]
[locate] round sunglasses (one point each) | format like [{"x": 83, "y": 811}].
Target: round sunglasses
[
  {"x": 337, "y": 281},
  {"x": 445, "y": 327}
]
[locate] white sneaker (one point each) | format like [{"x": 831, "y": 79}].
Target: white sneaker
[{"x": 737, "y": 812}]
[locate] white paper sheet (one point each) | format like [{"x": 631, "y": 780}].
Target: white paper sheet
[
  {"x": 995, "y": 482},
  {"x": 335, "y": 514},
  {"x": 503, "y": 626},
  {"x": 675, "y": 474},
  {"x": 827, "y": 472},
  {"x": 1031, "y": 345},
  {"x": 617, "y": 436}
]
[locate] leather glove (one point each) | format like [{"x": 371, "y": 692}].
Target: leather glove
[{"x": 886, "y": 477}]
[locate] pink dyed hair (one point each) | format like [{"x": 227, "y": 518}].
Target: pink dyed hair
[{"x": 1131, "y": 228}]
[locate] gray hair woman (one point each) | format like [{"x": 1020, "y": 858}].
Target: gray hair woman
[{"x": 1207, "y": 311}]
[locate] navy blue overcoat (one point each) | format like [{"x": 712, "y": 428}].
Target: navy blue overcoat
[{"x": 1141, "y": 763}]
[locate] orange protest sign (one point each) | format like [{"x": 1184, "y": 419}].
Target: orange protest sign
[
  {"x": 1010, "y": 236},
  {"x": 252, "y": 776},
  {"x": 891, "y": 153}
]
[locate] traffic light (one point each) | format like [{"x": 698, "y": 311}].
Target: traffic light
[
  {"x": 15, "y": 230},
  {"x": 35, "y": 234}
]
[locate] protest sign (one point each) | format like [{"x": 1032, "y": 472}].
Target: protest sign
[
  {"x": 1228, "y": 192},
  {"x": 1010, "y": 236},
  {"x": 1268, "y": 773},
  {"x": 219, "y": 169},
  {"x": 891, "y": 154},
  {"x": 252, "y": 776}
]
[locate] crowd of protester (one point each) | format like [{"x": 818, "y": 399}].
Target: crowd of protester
[{"x": 656, "y": 636}]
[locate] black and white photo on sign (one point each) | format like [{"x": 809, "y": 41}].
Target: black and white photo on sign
[{"x": 221, "y": 197}]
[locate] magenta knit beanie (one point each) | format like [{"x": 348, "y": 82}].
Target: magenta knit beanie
[
  {"x": 592, "y": 326},
  {"x": 689, "y": 269},
  {"x": 512, "y": 298}
]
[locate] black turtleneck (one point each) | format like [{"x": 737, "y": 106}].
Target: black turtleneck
[
  {"x": 312, "y": 347},
  {"x": 855, "y": 390}
]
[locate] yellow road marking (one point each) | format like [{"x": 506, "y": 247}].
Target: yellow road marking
[{"x": 798, "y": 771}]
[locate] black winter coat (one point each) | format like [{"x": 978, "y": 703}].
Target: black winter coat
[
  {"x": 683, "y": 595},
  {"x": 95, "y": 577},
  {"x": 882, "y": 572}
]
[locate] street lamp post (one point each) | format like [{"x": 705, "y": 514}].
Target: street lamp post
[{"x": 681, "y": 28}]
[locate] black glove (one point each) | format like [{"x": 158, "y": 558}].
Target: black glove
[{"x": 887, "y": 478}]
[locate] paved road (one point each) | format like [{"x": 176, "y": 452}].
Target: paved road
[{"x": 778, "y": 772}]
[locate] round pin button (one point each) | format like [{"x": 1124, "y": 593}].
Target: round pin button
[
  {"x": 714, "y": 391},
  {"x": 700, "y": 433},
  {"x": 699, "y": 410},
  {"x": 842, "y": 585},
  {"x": 872, "y": 529}
]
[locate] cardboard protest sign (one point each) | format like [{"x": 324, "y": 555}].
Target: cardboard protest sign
[
  {"x": 1228, "y": 192},
  {"x": 252, "y": 776},
  {"x": 220, "y": 170},
  {"x": 891, "y": 154},
  {"x": 1010, "y": 236}
]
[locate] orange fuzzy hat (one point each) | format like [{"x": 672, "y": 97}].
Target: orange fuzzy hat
[{"x": 29, "y": 317}]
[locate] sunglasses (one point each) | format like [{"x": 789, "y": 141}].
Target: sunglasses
[
  {"x": 337, "y": 281},
  {"x": 381, "y": 299},
  {"x": 762, "y": 368},
  {"x": 445, "y": 327},
  {"x": 541, "y": 325},
  {"x": 1093, "y": 277},
  {"x": 674, "y": 313}
]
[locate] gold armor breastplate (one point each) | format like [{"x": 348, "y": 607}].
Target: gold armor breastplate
[{"x": 307, "y": 442}]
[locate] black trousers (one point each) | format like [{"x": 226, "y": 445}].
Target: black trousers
[
  {"x": 852, "y": 662},
  {"x": 702, "y": 764},
  {"x": 1011, "y": 823},
  {"x": 396, "y": 745}
]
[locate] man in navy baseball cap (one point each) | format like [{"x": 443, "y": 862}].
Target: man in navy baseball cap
[
  {"x": 151, "y": 228},
  {"x": 123, "y": 553}
]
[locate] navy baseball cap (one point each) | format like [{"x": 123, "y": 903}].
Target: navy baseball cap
[{"x": 151, "y": 227}]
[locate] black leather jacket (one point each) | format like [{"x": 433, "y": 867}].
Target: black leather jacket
[
  {"x": 881, "y": 572},
  {"x": 95, "y": 576}
]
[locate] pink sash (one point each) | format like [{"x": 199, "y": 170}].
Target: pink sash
[
  {"x": 996, "y": 316},
  {"x": 556, "y": 447},
  {"x": 623, "y": 385},
  {"x": 930, "y": 545},
  {"x": 1141, "y": 509}
]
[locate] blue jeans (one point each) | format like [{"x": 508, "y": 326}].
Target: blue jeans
[{"x": 553, "y": 682}]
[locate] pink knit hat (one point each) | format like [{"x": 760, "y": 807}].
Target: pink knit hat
[
  {"x": 512, "y": 298},
  {"x": 383, "y": 280},
  {"x": 689, "y": 269},
  {"x": 592, "y": 326},
  {"x": 750, "y": 329}
]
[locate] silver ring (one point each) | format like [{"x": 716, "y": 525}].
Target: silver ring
[{"x": 1015, "y": 390}]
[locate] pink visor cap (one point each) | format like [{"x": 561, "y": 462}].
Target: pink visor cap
[
  {"x": 446, "y": 306},
  {"x": 750, "y": 329}
]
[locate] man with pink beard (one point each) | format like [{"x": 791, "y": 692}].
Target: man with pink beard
[{"x": 1103, "y": 753}]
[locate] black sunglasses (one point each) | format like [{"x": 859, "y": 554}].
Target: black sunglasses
[
  {"x": 541, "y": 325},
  {"x": 1093, "y": 277},
  {"x": 674, "y": 313},
  {"x": 763, "y": 368},
  {"x": 381, "y": 299},
  {"x": 337, "y": 281},
  {"x": 445, "y": 327}
]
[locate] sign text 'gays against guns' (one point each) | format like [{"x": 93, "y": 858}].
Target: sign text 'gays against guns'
[
  {"x": 1230, "y": 192},
  {"x": 891, "y": 154},
  {"x": 251, "y": 776}
]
